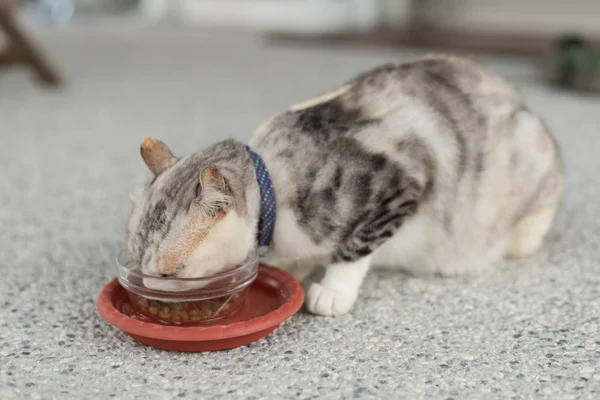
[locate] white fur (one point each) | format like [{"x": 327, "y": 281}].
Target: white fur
[
  {"x": 226, "y": 245},
  {"x": 338, "y": 290},
  {"x": 290, "y": 243},
  {"x": 528, "y": 234}
]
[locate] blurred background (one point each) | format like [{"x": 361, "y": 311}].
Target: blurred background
[
  {"x": 482, "y": 24},
  {"x": 523, "y": 27}
]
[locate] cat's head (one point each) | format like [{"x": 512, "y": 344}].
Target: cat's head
[{"x": 191, "y": 218}]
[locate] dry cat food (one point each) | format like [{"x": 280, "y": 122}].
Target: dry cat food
[{"x": 186, "y": 312}]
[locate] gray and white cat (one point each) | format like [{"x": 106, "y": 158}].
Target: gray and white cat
[{"x": 434, "y": 166}]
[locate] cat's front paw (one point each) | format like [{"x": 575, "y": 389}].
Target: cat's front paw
[{"x": 328, "y": 302}]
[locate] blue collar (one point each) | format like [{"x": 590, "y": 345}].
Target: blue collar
[{"x": 266, "y": 222}]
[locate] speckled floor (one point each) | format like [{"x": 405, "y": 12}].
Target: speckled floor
[{"x": 69, "y": 158}]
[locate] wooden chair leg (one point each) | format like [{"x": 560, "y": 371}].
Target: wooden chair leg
[
  {"x": 11, "y": 55},
  {"x": 21, "y": 50}
]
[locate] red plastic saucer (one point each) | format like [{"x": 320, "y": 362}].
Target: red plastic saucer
[{"x": 274, "y": 296}]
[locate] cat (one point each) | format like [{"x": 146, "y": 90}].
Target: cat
[{"x": 433, "y": 165}]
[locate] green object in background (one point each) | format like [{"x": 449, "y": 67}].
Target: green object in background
[{"x": 574, "y": 64}]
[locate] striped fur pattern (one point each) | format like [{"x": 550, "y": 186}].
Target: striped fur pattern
[{"x": 433, "y": 165}]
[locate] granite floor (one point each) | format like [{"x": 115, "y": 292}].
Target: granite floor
[{"x": 69, "y": 159}]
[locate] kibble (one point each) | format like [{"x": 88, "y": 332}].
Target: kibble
[{"x": 185, "y": 311}]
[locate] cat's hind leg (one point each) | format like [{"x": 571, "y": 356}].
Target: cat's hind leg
[
  {"x": 528, "y": 234},
  {"x": 540, "y": 156},
  {"x": 337, "y": 292}
]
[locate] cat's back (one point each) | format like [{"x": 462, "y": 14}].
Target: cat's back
[
  {"x": 435, "y": 86},
  {"x": 427, "y": 81},
  {"x": 436, "y": 101}
]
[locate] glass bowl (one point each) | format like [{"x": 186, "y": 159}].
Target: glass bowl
[{"x": 185, "y": 301}]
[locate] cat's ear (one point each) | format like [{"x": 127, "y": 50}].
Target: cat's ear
[
  {"x": 156, "y": 155},
  {"x": 213, "y": 190},
  {"x": 212, "y": 178}
]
